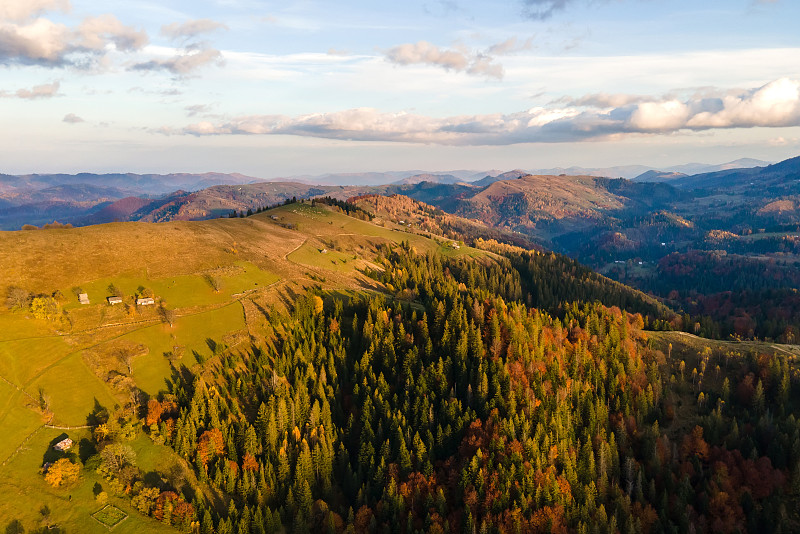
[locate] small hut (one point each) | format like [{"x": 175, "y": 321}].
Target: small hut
[{"x": 63, "y": 445}]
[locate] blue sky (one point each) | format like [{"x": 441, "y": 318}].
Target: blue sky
[{"x": 278, "y": 89}]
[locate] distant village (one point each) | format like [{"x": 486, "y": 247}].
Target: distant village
[{"x": 83, "y": 298}]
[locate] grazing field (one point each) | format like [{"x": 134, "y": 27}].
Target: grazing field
[
  {"x": 315, "y": 254},
  {"x": 17, "y": 420},
  {"x": 72, "y": 400},
  {"x": 25, "y": 494},
  {"x": 338, "y": 242},
  {"x": 191, "y": 333},
  {"x": 46, "y": 260},
  {"x": 21, "y": 361}
]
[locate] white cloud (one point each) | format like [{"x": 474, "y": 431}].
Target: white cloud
[
  {"x": 41, "y": 41},
  {"x": 602, "y": 100},
  {"x": 336, "y": 52},
  {"x": 659, "y": 116},
  {"x": 197, "y": 109},
  {"x": 425, "y": 53},
  {"x": 191, "y": 28},
  {"x": 194, "y": 55},
  {"x": 428, "y": 54},
  {"x": 510, "y": 46},
  {"x": 184, "y": 63},
  {"x": 22, "y": 10},
  {"x": 71, "y": 118},
  {"x": 95, "y": 32},
  {"x": 47, "y": 90},
  {"x": 776, "y": 104},
  {"x": 44, "y": 42}
]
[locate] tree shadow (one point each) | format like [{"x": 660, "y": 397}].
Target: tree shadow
[
  {"x": 288, "y": 297},
  {"x": 153, "y": 479},
  {"x": 177, "y": 478},
  {"x": 99, "y": 414},
  {"x": 261, "y": 309},
  {"x": 52, "y": 455},
  {"x": 15, "y": 527},
  {"x": 181, "y": 377},
  {"x": 86, "y": 449}
]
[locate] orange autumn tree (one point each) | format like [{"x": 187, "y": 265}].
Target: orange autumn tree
[
  {"x": 211, "y": 443},
  {"x": 249, "y": 463},
  {"x": 154, "y": 411}
]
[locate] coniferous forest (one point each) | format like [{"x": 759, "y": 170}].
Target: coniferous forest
[{"x": 514, "y": 393}]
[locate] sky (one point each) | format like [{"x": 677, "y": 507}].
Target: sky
[{"x": 273, "y": 89}]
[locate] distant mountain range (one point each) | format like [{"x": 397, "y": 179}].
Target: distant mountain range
[
  {"x": 486, "y": 177},
  {"x": 87, "y": 198}
]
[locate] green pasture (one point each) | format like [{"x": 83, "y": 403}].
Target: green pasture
[
  {"x": 73, "y": 399},
  {"x": 23, "y": 360},
  {"x": 20, "y": 325},
  {"x": 191, "y": 332},
  {"x": 25, "y": 493},
  {"x": 311, "y": 254},
  {"x": 17, "y": 420},
  {"x": 181, "y": 291},
  {"x": 323, "y": 223}
]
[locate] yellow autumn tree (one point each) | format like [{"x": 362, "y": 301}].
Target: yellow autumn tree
[
  {"x": 318, "y": 305},
  {"x": 62, "y": 472},
  {"x": 45, "y": 308}
]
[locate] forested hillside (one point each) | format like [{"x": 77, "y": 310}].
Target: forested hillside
[{"x": 459, "y": 409}]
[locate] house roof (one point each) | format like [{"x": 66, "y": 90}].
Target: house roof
[{"x": 63, "y": 445}]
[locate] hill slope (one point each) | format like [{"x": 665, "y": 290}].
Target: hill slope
[{"x": 301, "y": 364}]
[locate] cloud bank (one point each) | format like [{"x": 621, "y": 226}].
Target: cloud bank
[
  {"x": 21, "y": 10},
  {"x": 28, "y": 38},
  {"x": 776, "y": 104}
]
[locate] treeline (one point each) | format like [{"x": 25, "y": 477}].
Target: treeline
[
  {"x": 552, "y": 282},
  {"x": 344, "y": 206},
  {"x": 726, "y": 296},
  {"x": 464, "y": 410},
  {"x": 242, "y": 214}
]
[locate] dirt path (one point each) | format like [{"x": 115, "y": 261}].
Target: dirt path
[{"x": 295, "y": 249}]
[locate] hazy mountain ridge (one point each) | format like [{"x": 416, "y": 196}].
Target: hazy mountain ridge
[
  {"x": 782, "y": 176},
  {"x": 41, "y": 198},
  {"x": 88, "y": 198},
  {"x": 659, "y": 176}
]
